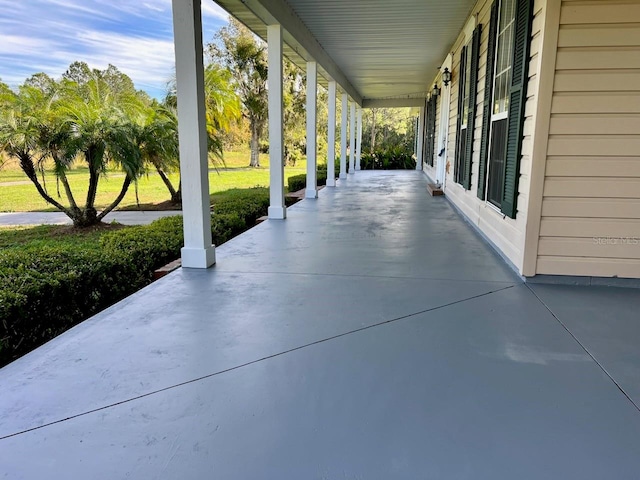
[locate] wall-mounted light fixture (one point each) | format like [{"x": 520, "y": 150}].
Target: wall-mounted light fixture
[
  {"x": 446, "y": 76},
  {"x": 436, "y": 91}
]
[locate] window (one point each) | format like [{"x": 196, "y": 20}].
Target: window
[
  {"x": 467, "y": 93},
  {"x": 463, "y": 112},
  {"x": 505, "y": 97},
  {"x": 500, "y": 104},
  {"x": 430, "y": 135},
  {"x": 504, "y": 54}
]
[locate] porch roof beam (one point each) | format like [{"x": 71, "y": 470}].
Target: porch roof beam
[{"x": 392, "y": 102}]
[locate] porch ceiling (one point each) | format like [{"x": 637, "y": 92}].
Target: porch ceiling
[{"x": 375, "y": 49}]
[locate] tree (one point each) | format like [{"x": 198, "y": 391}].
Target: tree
[
  {"x": 90, "y": 118},
  {"x": 294, "y": 100},
  {"x": 388, "y": 128},
  {"x": 373, "y": 129},
  {"x": 160, "y": 128},
  {"x": 238, "y": 50},
  {"x": 98, "y": 118},
  {"x": 157, "y": 139},
  {"x": 6, "y": 98},
  {"x": 20, "y": 132}
]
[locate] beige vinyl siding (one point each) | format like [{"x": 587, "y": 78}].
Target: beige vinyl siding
[
  {"x": 590, "y": 221},
  {"x": 506, "y": 233}
]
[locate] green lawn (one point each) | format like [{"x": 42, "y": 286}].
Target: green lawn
[{"x": 150, "y": 189}]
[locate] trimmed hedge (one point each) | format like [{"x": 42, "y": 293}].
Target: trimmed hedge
[
  {"x": 298, "y": 182},
  {"x": 249, "y": 203},
  {"x": 46, "y": 287}
]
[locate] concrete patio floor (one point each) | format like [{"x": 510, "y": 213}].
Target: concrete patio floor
[{"x": 371, "y": 335}]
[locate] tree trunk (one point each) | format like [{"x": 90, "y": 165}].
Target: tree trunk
[
  {"x": 94, "y": 177},
  {"x": 26, "y": 163},
  {"x": 114, "y": 204},
  {"x": 178, "y": 196},
  {"x": 255, "y": 144},
  {"x": 67, "y": 188},
  {"x": 373, "y": 129},
  {"x": 168, "y": 184}
]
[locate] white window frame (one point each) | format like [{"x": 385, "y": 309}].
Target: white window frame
[{"x": 494, "y": 117}]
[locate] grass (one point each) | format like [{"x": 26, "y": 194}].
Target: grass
[{"x": 150, "y": 189}]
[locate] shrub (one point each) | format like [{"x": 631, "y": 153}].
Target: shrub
[
  {"x": 50, "y": 284},
  {"x": 394, "y": 159},
  {"x": 298, "y": 182},
  {"x": 249, "y": 203},
  {"x": 45, "y": 292},
  {"x": 225, "y": 226}
]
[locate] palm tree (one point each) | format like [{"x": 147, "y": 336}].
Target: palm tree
[
  {"x": 21, "y": 132},
  {"x": 99, "y": 127},
  {"x": 160, "y": 126},
  {"x": 158, "y": 143},
  {"x": 65, "y": 120},
  {"x": 222, "y": 101}
]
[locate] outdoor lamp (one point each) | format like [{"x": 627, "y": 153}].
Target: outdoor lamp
[
  {"x": 446, "y": 76},
  {"x": 436, "y": 91}
]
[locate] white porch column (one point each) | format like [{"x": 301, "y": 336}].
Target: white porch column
[
  {"x": 343, "y": 137},
  {"x": 331, "y": 136},
  {"x": 420, "y": 134},
  {"x": 352, "y": 139},
  {"x": 277, "y": 209},
  {"x": 359, "y": 148},
  {"x": 312, "y": 103},
  {"x": 198, "y": 252}
]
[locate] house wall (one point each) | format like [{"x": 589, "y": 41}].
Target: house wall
[
  {"x": 507, "y": 234},
  {"x": 590, "y": 221}
]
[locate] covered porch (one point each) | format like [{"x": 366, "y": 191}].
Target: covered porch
[{"x": 372, "y": 335}]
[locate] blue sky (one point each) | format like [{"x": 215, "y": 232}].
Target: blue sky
[{"x": 134, "y": 35}]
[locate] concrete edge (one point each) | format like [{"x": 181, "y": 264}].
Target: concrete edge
[
  {"x": 484, "y": 237},
  {"x": 584, "y": 281}
]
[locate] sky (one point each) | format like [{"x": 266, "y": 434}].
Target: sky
[{"x": 134, "y": 35}]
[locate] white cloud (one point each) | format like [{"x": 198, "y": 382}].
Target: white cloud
[
  {"x": 155, "y": 7},
  {"x": 137, "y": 37},
  {"x": 212, "y": 9},
  {"x": 26, "y": 45},
  {"x": 145, "y": 60},
  {"x": 83, "y": 8}
]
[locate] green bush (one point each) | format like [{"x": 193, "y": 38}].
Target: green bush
[
  {"x": 249, "y": 203},
  {"x": 298, "y": 182},
  {"x": 225, "y": 226},
  {"x": 393, "y": 159},
  {"x": 44, "y": 292},
  {"x": 48, "y": 284}
]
